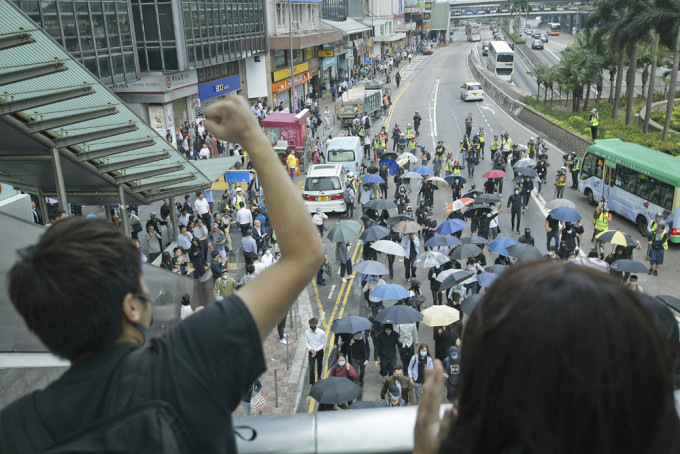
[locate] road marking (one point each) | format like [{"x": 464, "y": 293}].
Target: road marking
[
  {"x": 433, "y": 119},
  {"x": 488, "y": 108},
  {"x": 316, "y": 297},
  {"x": 394, "y": 106},
  {"x": 330, "y": 337},
  {"x": 330, "y": 295}
]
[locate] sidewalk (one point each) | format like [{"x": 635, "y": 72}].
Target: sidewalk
[{"x": 287, "y": 382}]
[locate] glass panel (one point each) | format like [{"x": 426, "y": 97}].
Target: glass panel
[
  {"x": 165, "y": 20},
  {"x": 141, "y": 56},
  {"x": 192, "y": 56},
  {"x": 124, "y": 23},
  {"x": 150, "y": 25},
  {"x": 98, "y": 26},
  {"x": 111, "y": 24},
  {"x": 84, "y": 27},
  {"x": 91, "y": 65},
  {"x": 155, "y": 62},
  {"x": 195, "y": 21},
  {"x": 170, "y": 57},
  {"x": 130, "y": 71},
  {"x": 137, "y": 16},
  {"x": 50, "y": 20},
  {"x": 118, "y": 69},
  {"x": 105, "y": 70}
]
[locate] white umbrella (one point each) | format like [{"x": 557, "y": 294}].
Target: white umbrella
[
  {"x": 414, "y": 175},
  {"x": 444, "y": 274},
  {"x": 525, "y": 162},
  {"x": 558, "y": 203},
  {"x": 389, "y": 247},
  {"x": 407, "y": 156},
  {"x": 430, "y": 258},
  {"x": 439, "y": 182}
]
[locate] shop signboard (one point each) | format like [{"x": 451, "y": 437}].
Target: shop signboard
[{"x": 219, "y": 87}]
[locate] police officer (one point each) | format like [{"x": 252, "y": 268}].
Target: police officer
[
  {"x": 560, "y": 182},
  {"x": 658, "y": 245},
  {"x": 594, "y": 123},
  {"x": 574, "y": 168},
  {"x": 601, "y": 224}
]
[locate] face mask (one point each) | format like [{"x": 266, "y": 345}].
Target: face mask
[
  {"x": 313, "y": 328},
  {"x": 225, "y": 277},
  {"x": 388, "y": 331},
  {"x": 516, "y": 192},
  {"x": 341, "y": 363},
  {"x": 394, "y": 398},
  {"x": 423, "y": 353},
  {"x": 454, "y": 355},
  {"x": 492, "y": 207}
]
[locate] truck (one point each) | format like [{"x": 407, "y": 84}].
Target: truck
[{"x": 359, "y": 100}]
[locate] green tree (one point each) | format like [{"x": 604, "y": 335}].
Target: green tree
[{"x": 540, "y": 72}]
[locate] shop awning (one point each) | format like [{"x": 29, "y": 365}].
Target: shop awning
[
  {"x": 348, "y": 26},
  {"x": 390, "y": 38},
  {"x": 57, "y": 119}
]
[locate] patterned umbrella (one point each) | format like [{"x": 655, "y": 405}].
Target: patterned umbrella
[
  {"x": 616, "y": 237},
  {"x": 459, "y": 204}
]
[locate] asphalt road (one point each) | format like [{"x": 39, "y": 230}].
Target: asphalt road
[{"x": 431, "y": 85}]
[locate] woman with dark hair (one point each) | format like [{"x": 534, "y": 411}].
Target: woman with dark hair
[
  {"x": 416, "y": 368},
  {"x": 166, "y": 262},
  {"x": 556, "y": 359}
]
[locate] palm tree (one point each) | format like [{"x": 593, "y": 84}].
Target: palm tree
[
  {"x": 650, "y": 95},
  {"x": 539, "y": 72}
]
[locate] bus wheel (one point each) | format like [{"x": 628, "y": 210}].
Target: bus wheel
[
  {"x": 641, "y": 222},
  {"x": 591, "y": 197}
]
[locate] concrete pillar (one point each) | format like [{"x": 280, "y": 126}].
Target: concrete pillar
[
  {"x": 173, "y": 232},
  {"x": 124, "y": 218},
  {"x": 42, "y": 206}
]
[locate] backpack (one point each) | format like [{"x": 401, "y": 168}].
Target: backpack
[{"x": 150, "y": 425}]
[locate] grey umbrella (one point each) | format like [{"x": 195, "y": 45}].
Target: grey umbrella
[
  {"x": 469, "y": 303},
  {"x": 474, "y": 239},
  {"x": 455, "y": 278},
  {"x": 397, "y": 219},
  {"x": 628, "y": 266},
  {"x": 526, "y": 172},
  {"x": 371, "y": 267},
  {"x": 381, "y": 204},
  {"x": 465, "y": 251},
  {"x": 487, "y": 198},
  {"x": 364, "y": 404},
  {"x": 334, "y": 390},
  {"x": 398, "y": 315},
  {"x": 351, "y": 324},
  {"x": 375, "y": 233},
  {"x": 523, "y": 251},
  {"x": 671, "y": 301}
]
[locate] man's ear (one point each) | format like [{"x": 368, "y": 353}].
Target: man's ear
[{"x": 132, "y": 308}]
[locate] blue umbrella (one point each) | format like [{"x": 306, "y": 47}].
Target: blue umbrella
[
  {"x": 392, "y": 166},
  {"x": 451, "y": 226},
  {"x": 372, "y": 178},
  {"x": 442, "y": 240},
  {"x": 424, "y": 170},
  {"x": 450, "y": 178},
  {"x": 565, "y": 214},
  {"x": 486, "y": 279},
  {"x": 390, "y": 292},
  {"x": 499, "y": 244}
]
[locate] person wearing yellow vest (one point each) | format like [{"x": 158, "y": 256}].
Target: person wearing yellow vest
[
  {"x": 594, "y": 123},
  {"x": 448, "y": 167},
  {"x": 601, "y": 224},
  {"x": 574, "y": 168},
  {"x": 560, "y": 182},
  {"x": 292, "y": 164},
  {"x": 494, "y": 145},
  {"x": 409, "y": 132},
  {"x": 657, "y": 245},
  {"x": 482, "y": 142}
]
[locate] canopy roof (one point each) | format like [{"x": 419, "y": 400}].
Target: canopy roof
[{"x": 51, "y": 102}]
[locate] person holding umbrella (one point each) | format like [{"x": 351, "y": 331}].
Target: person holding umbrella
[{"x": 373, "y": 302}]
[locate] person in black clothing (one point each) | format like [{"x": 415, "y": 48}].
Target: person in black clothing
[
  {"x": 429, "y": 226},
  {"x": 359, "y": 354},
  {"x": 421, "y": 213},
  {"x": 156, "y": 223},
  {"x": 563, "y": 251},
  {"x": 216, "y": 265},
  {"x": 385, "y": 350},
  {"x": 384, "y": 174},
  {"x": 427, "y": 190},
  {"x": 526, "y": 238},
  {"x": 196, "y": 257},
  {"x": 515, "y": 205},
  {"x": 434, "y": 285},
  {"x": 393, "y": 236},
  {"x": 456, "y": 189},
  {"x": 372, "y": 168},
  {"x": 527, "y": 187},
  {"x": 416, "y": 125},
  {"x": 187, "y": 205},
  {"x": 490, "y": 186},
  {"x": 569, "y": 236},
  {"x": 552, "y": 229},
  {"x": 542, "y": 171},
  {"x": 443, "y": 340},
  {"x": 616, "y": 254}
]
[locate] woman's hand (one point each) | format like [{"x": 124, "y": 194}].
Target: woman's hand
[{"x": 430, "y": 430}]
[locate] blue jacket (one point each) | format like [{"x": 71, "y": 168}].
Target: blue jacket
[{"x": 413, "y": 365}]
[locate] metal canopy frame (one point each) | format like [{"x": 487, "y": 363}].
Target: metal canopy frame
[{"x": 55, "y": 113}]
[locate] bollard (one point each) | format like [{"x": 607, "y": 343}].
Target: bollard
[
  {"x": 287, "y": 357},
  {"x": 276, "y": 388}
]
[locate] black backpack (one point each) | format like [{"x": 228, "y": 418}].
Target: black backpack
[{"x": 135, "y": 421}]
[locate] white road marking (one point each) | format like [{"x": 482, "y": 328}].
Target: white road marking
[
  {"x": 330, "y": 295},
  {"x": 488, "y": 108},
  {"x": 433, "y": 113}
]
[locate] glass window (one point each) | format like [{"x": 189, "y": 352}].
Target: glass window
[
  {"x": 155, "y": 61},
  {"x": 323, "y": 183},
  {"x": 141, "y": 56},
  {"x": 592, "y": 166},
  {"x": 137, "y": 15},
  {"x": 150, "y": 25},
  {"x": 124, "y": 23},
  {"x": 192, "y": 56},
  {"x": 91, "y": 65},
  {"x": 118, "y": 69},
  {"x": 165, "y": 20},
  {"x": 130, "y": 70},
  {"x": 105, "y": 70},
  {"x": 84, "y": 27},
  {"x": 111, "y": 24},
  {"x": 170, "y": 58}
]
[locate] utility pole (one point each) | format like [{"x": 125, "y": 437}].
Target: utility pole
[{"x": 290, "y": 45}]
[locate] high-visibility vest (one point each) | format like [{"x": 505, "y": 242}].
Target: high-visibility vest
[
  {"x": 561, "y": 180},
  {"x": 412, "y": 145},
  {"x": 482, "y": 139},
  {"x": 449, "y": 165},
  {"x": 376, "y": 144},
  {"x": 494, "y": 145},
  {"x": 659, "y": 238},
  {"x": 456, "y": 170},
  {"x": 576, "y": 165},
  {"x": 410, "y": 134},
  {"x": 602, "y": 222},
  {"x": 594, "y": 121},
  {"x": 238, "y": 199}
]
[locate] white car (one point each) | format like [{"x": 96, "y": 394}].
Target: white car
[
  {"x": 471, "y": 91},
  {"x": 325, "y": 188}
]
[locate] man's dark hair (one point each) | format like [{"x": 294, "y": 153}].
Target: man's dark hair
[
  {"x": 241, "y": 205},
  {"x": 57, "y": 213},
  {"x": 187, "y": 197},
  {"x": 250, "y": 269},
  {"x": 69, "y": 288},
  {"x": 249, "y": 232},
  {"x": 398, "y": 367},
  {"x": 313, "y": 321},
  {"x": 214, "y": 254}
]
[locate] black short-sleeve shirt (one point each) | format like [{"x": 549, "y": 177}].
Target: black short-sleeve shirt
[{"x": 202, "y": 367}]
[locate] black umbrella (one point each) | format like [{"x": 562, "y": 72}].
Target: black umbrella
[
  {"x": 487, "y": 198},
  {"x": 498, "y": 269},
  {"x": 375, "y": 233},
  {"x": 351, "y": 324},
  {"x": 628, "y": 266},
  {"x": 523, "y": 251},
  {"x": 465, "y": 251},
  {"x": 476, "y": 209},
  {"x": 335, "y": 390},
  {"x": 455, "y": 279},
  {"x": 474, "y": 239},
  {"x": 398, "y": 315},
  {"x": 397, "y": 219},
  {"x": 469, "y": 303},
  {"x": 416, "y": 300},
  {"x": 363, "y": 404},
  {"x": 471, "y": 194},
  {"x": 381, "y": 204},
  {"x": 670, "y": 301}
]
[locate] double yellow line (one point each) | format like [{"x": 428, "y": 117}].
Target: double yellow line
[
  {"x": 394, "y": 105},
  {"x": 338, "y": 310}
]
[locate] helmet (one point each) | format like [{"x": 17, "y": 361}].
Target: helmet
[
  {"x": 408, "y": 125},
  {"x": 416, "y": 111},
  {"x": 477, "y": 134},
  {"x": 593, "y": 111},
  {"x": 403, "y": 135},
  {"x": 422, "y": 146},
  {"x": 350, "y": 174},
  {"x": 658, "y": 215},
  {"x": 531, "y": 139},
  {"x": 455, "y": 161},
  {"x": 563, "y": 169}
]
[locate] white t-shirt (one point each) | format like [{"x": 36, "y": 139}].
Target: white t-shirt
[
  {"x": 201, "y": 205},
  {"x": 204, "y": 153},
  {"x": 185, "y": 311}
]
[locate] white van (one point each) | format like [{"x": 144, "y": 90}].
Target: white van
[
  {"x": 325, "y": 188},
  {"x": 471, "y": 91},
  {"x": 347, "y": 151}
]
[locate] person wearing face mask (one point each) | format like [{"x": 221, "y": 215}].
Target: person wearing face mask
[
  {"x": 224, "y": 286},
  {"x": 385, "y": 350},
  {"x": 471, "y": 283},
  {"x": 408, "y": 341},
  {"x": 393, "y": 398},
  {"x": 359, "y": 353},
  {"x": 569, "y": 236},
  {"x": 526, "y": 238},
  {"x": 492, "y": 219},
  {"x": 515, "y": 205},
  {"x": 315, "y": 340},
  {"x": 416, "y": 369},
  {"x": 452, "y": 373},
  {"x": 342, "y": 368},
  {"x": 404, "y": 388}
]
